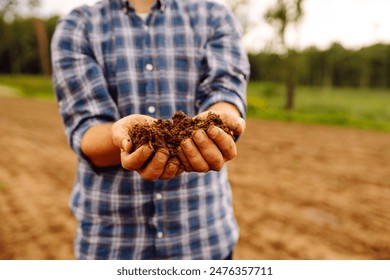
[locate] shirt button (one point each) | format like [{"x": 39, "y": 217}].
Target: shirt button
[
  {"x": 146, "y": 28},
  {"x": 159, "y": 196},
  {"x": 149, "y": 67},
  {"x": 160, "y": 235},
  {"x": 152, "y": 109}
]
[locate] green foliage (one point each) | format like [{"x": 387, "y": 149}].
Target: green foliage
[
  {"x": 334, "y": 67},
  {"x": 19, "y": 53},
  {"x": 362, "y": 108},
  {"x": 29, "y": 85}
]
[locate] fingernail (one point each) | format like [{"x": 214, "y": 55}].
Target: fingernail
[
  {"x": 213, "y": 132},
  {"x": 187, "y": 144},
  {"x": 199, "y": 136},
  {"x": 171, "y": 167},
  {"x": 162, "y": 155}
]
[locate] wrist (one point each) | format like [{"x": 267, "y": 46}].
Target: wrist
[
  {"x": 98, "y": 147},
  {"x": 225, "y": 107}
]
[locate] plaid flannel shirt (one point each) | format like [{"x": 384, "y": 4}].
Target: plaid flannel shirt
[{"x": 108, "y": 63}]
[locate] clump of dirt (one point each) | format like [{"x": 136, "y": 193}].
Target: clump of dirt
[{"x": 169, "y": 134}]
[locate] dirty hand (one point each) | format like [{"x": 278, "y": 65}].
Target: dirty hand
[
  {"x": 150, "y": 164},
  {"x": 210, "y": 150}
]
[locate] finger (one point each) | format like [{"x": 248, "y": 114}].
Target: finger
[
  {"x": 194, "y": 157},
  {"x": 180, "y": 170},
  {"x": 224, "y": 142},
  {"x": 126, "y": 145},
  {"x": 235, "y": 124},
  {"x": 209, "y": 150},
  {"x": 156, "y": 166},
  {"x": 171, "y": 169},
  {"x": 184, "y": 161},
  {"x": 137, "y": 159}
]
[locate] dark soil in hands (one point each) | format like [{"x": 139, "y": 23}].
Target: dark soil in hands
[{"x": 166, "y": 134}]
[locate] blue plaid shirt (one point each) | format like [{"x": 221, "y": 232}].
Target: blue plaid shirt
[{"x": 108, "y": 63}]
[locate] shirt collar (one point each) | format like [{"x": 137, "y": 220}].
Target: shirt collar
[{"x": 159, "y": 5}]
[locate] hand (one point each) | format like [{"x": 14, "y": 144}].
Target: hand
[
  {"x": 210, "y": 150},
  {"x": 150, "y": 164}
]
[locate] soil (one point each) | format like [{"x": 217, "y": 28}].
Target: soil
[
  {"x": 166, "y": 134},
  {"x": 299, "y": 191}
]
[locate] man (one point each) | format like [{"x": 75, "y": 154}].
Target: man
[{"x": 120, "y": 63}]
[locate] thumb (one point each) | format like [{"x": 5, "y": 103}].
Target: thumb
[
  {"x": 120, "y": 135},
  {"x": 126, "y": 145}
]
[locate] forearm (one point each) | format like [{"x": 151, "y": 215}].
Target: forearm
[{"x": 98, "y": 147}]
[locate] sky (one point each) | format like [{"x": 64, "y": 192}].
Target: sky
[{"x": 353, "y": 23}]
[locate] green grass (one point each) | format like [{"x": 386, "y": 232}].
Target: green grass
[
  {"x": 29, "y": 85},
  {"x": 353, "y": 107}
]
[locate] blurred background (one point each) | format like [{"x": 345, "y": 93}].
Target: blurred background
[{"x": 311, "y": 180}]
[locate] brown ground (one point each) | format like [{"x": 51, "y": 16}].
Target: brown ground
[{"x": 300, "y": 191}]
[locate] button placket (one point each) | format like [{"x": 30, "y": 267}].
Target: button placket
[
  {"x": 149, "y": 68},
  {"x": 158, "y": 197}
]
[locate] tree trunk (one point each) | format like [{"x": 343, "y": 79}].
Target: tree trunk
[
  {"x": 290, "y": 94},
  {"x": 291, "y": 78},
  {"x": 43, "y": 46}
]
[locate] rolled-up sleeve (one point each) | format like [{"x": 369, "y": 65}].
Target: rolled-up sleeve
[
  {"x": 78, "y": 80},
  {"x": 226, "y": 69}
]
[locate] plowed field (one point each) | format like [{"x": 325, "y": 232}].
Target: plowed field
[{"x": 300, "y": 191}]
